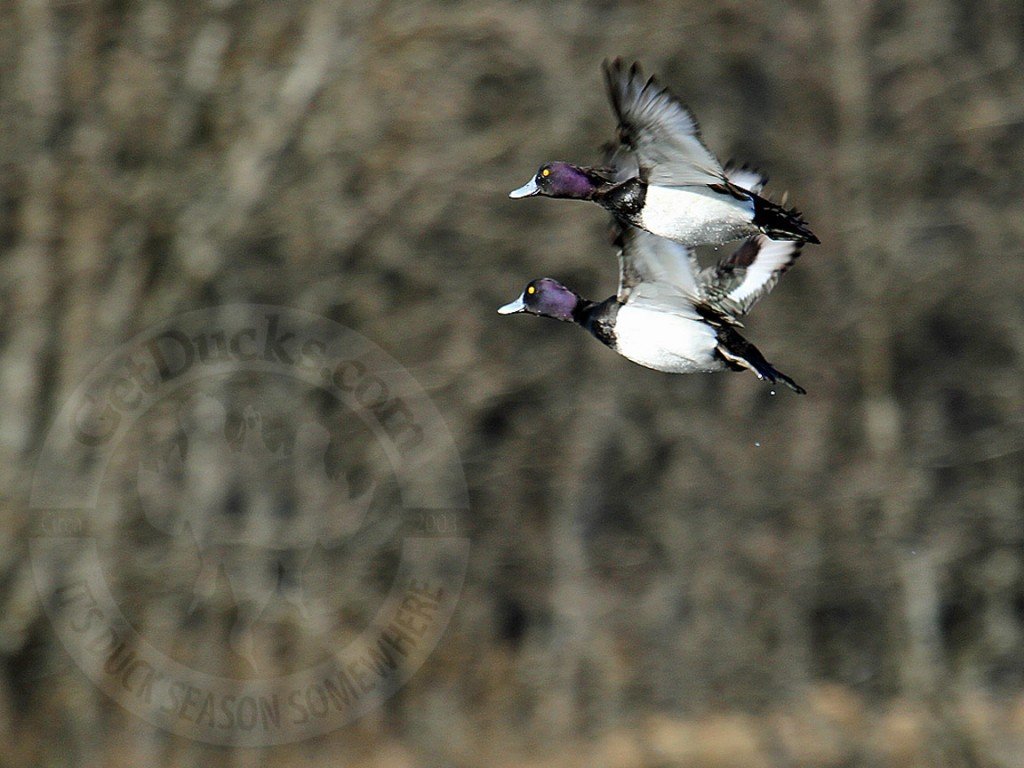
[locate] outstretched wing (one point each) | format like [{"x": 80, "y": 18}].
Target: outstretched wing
[
  {"x": 738, "y": 281},
  {"x": 620, "y": 162},
  {"x": 661, "y": 131},
  {"x": 646, "y": 258}
]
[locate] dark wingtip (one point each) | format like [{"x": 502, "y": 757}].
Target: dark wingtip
[
  {"x": 617, "y": 68},
  {"x": 612, "y": 73},
  {"x": 612, "y": 65},
  {"x": 613, "y": 69},
  {"x": 607, "y": 67}
]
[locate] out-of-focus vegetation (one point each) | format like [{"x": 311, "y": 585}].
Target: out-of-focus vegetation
[{"x": 664, "y": 570}]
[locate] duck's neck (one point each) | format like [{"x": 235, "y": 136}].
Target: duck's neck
[
  {"x": 583, "y": 310},
  {"x": 598, "y": 317}
]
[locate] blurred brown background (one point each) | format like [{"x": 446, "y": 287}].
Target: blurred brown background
[{"x": 664, "y": 570}]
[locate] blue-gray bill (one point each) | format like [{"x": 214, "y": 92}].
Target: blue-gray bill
[
  {"x": 528, "y": 189},
  {"x": 512, "y": 307}
]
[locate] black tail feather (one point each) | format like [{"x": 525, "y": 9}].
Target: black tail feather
[
  {"x": 779, "y": 376},
  {"x": 740, "y": 354},
  {"x": 781, "y": 223}
]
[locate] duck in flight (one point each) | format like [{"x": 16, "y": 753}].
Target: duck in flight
[
  {"x": 670, "y": 315},
  {"x": 662, "y": 178}
]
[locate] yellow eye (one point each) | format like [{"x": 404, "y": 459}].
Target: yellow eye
[
  {"x": 532, "y": 289},
  {"x": 546, "y": 172}
]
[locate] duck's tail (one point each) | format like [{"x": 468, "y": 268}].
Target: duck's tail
[
  {"x": 781, "y": 223},
  {"x": 740, "y": 354}
]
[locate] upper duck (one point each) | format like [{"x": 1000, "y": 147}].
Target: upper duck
[
  {"x": 661, "y": 178},
  {"x": 668, "y": 314}
]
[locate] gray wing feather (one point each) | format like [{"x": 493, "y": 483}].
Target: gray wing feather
[
  {"x": 660, "y": 129},
  {"x": 669, "y": 299},
  {"x": 620, "y": 162},
  {"x": 646, "y": 258}
]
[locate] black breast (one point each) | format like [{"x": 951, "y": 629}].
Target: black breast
[
  {"x": 599, "y": 319},
  {"x": 625, "y": 199}
]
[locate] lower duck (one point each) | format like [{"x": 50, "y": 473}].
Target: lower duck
[{"x": 669, "y": 316}]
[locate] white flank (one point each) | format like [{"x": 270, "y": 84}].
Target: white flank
[
  {"x": 696, "y": 216},
  {"x": 665, "y": 341}
]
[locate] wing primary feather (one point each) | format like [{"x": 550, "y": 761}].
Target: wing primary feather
[
  {"x": 662, "y": 130},
  {"x": 748, "y": 274}
]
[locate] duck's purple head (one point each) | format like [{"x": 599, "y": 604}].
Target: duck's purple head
[
  {"x": 560, "y": 179},
  {"x": 545, "y": 297}
]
